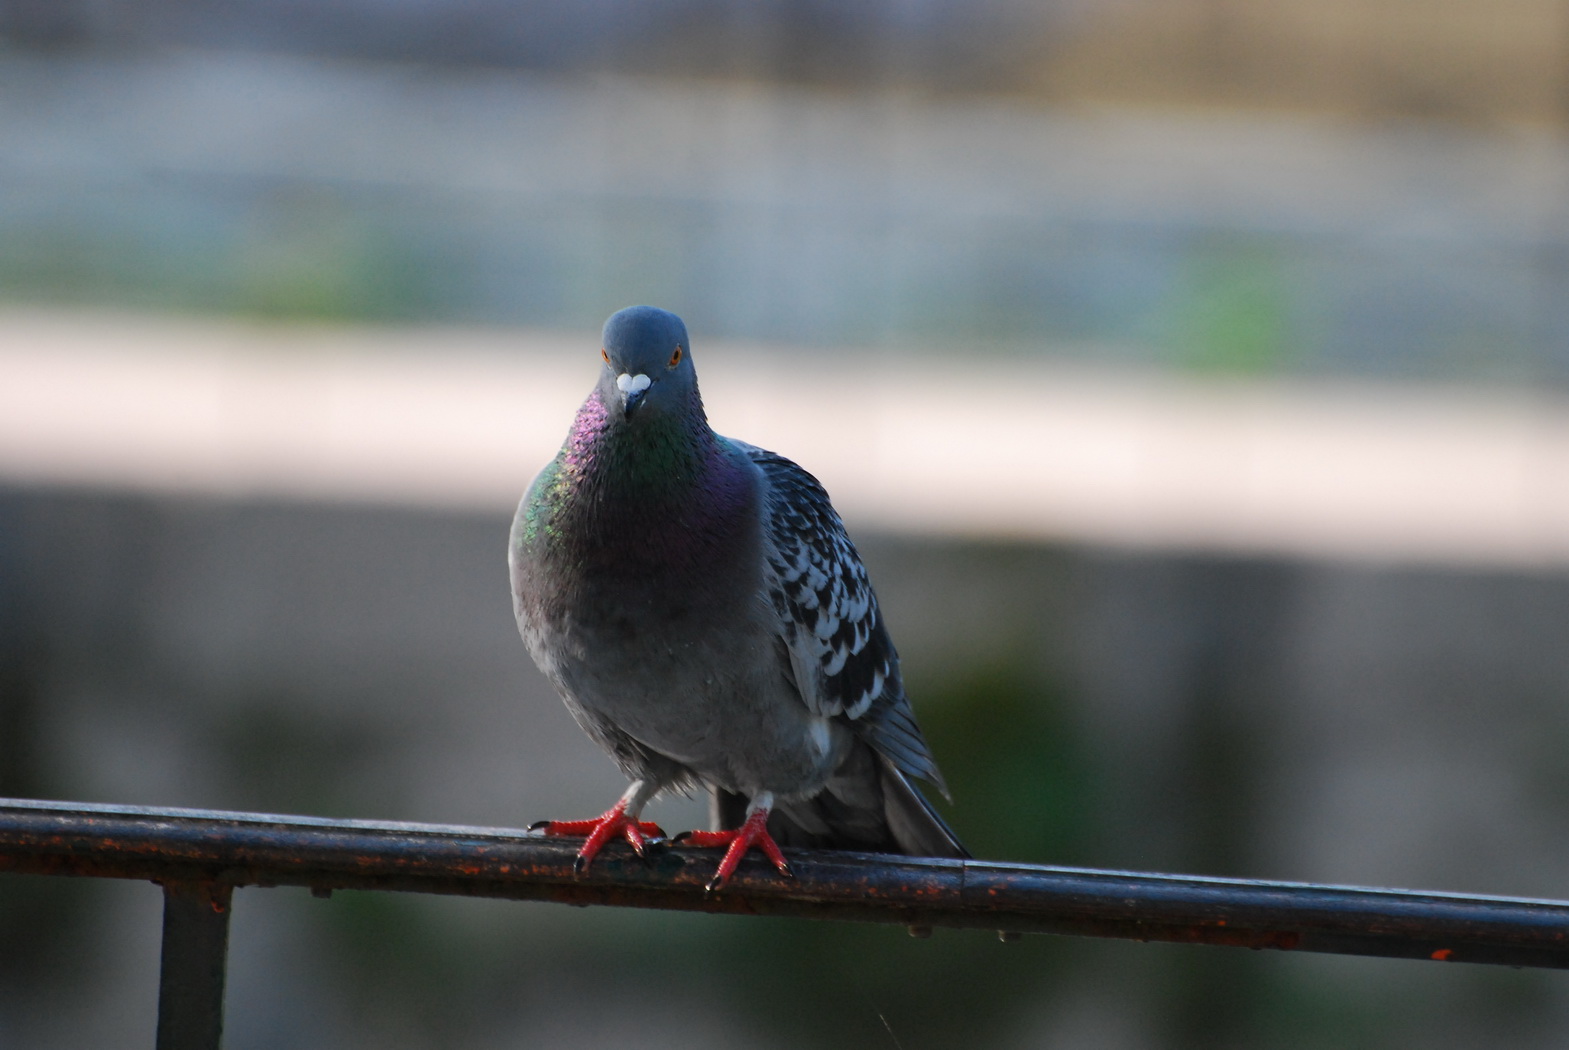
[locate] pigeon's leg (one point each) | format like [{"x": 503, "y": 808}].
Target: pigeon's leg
[
  {"x": 619, "y": 820},
  {"x": 754, "y": 832}
]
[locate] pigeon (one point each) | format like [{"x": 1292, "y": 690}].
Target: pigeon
[{"x": 698, "y": 605}]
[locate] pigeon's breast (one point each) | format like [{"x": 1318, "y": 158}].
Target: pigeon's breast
[
  {"x": 709, "y": 688},
  {"x": 647, "y": 608},
  {"x": 685, "y": 657}
]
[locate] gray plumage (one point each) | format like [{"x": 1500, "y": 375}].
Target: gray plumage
[{"x": 700, "y": 609}]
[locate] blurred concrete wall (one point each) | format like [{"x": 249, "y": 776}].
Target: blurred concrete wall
[{"x": 1268, "y": 718}]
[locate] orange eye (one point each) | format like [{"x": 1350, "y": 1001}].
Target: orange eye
[
  {"x": 675, "y": 358},
  {"x": 603, "y": 353}
]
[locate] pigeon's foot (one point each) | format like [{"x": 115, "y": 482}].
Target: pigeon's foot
[
  {"x": 614, "y": 823},
  {"x": 753, "y": 833}
]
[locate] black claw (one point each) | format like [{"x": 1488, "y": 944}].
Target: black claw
[
  {"x": 714, "y": 886},
  {"x": 579, "y": 866},
  {"x": 538, "y": 825},
  {"x": 680, "y": 837}
]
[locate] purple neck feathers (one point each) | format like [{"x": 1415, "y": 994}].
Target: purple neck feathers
[{"x": 661, "y": 490}]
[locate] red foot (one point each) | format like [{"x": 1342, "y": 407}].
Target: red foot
[
  {"x": 753, "y": 833},
  {"x": 614, "y": 823}
]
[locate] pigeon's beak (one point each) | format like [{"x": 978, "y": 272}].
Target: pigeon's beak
[{"x": 633, "y": 389}]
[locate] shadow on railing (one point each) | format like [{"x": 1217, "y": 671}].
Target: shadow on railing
[{"x": 201, "y": 856}]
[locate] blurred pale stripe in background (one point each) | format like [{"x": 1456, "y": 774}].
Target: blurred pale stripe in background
[{"x": 1019, "y": 448}]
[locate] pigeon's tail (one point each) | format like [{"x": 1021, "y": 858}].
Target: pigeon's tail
[
  {"x": 868, "y": 805},
  {"x": 918, "y": 828}
]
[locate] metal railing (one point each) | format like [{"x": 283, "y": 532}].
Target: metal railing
[{"x": 201, "y": 856}]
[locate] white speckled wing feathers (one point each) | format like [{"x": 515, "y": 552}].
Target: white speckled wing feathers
[{"x": 842, "y": 661}]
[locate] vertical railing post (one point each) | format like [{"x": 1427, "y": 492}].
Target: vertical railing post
[{"x": 191, "y": 972}]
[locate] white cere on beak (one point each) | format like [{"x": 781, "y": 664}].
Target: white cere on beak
[{"x": 629, "y": 384}]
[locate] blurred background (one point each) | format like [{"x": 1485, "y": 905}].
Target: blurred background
[{"x": 1192, "y": 374}]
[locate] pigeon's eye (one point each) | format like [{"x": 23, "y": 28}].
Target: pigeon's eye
[
  {"x": 675, "y": 358},
  {"x": 605, "y": 354}
]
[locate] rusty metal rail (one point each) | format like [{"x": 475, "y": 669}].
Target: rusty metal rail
[{"x": 201, "y": 856}]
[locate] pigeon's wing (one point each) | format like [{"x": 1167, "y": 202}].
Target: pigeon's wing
[{"x": 840, "y": 656}]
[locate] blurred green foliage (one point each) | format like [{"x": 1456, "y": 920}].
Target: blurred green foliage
[
  {"x": 1231, "y": 312},
  {"x": 1009, "y": 749}
]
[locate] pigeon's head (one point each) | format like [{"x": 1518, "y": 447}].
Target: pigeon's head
[{"x": 648, "y": 362}]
